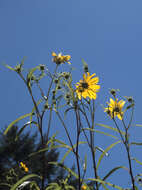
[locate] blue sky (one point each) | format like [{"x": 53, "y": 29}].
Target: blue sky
[{"x": 105, "y": 33}]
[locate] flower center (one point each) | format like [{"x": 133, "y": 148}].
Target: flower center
[
  {"x": 116, "y": 109},
  {"x": 84, "y": 85}
]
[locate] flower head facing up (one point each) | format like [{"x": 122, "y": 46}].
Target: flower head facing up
[
  {"x": 59, "y": 59},
  {"x": 88, "y": 86},
  {"x": 115, "y": 108},
  {"x": 24, "y": 167}
]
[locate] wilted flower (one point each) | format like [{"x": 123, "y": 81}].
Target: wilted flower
[
  {"x": 58, "y": 59},
  {"x": 88, "y": 86},
  {"x": 115, "y": 108}
]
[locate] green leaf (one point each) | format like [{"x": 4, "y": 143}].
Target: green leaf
[
  {"x": 101, "y": 132},
  {"x": 104, "y": 187},
  {"x": 64, "y": 167},
  {"x": 9, "y": 67},
  {"x": 30, "y": 74},
  {"x": 14, "y": 187},
  {"x": 24, "y": 126},
  {"x": 70, "y": 149},
  {"x": 59, "y": 141},
  {"x": 84, "y": 63},
  {"x": 105, "y": 151},
  {"x": 137, "y": 161},
  {"x": 66, "y": 111},
  {"x": 106, "y": 183},
  {"x": 135, "y": 143},
  {"x": 101, "y": 150},
  {"x": 34, "y": 185},
  {"x": 33, "y": 110},
  {"x": 108, "y": 127},
  {"x": 15, "y": 121},
  {"x": 113, "y": 170},
  {"x": 138, "y": 125}
]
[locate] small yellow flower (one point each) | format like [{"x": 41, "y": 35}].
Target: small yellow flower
[
  {"x": 88, "y": 86},
  {"x": 84, "y": 187},
  {"x": 58, "y": 59},
  {"x": 115, "y": 108},
  {"x": 24, "y": 167}
]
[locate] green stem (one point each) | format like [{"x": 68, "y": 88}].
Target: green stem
[
  {"x": 126, "y": 144},
  {"x": 77, "y": 146}
]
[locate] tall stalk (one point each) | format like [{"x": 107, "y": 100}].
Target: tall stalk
[{"x": 126, "y": 144}]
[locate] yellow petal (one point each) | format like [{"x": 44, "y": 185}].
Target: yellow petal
[
  {"x": 84, "y": 77},
  {"x": 94, "y": 80},
  {"x": 112, "y": 102},
  {"x": 121, "y": 104},
  {"x": 54, "y": 54},
  {"x": 119, "y": 116},
  {"x": 67, "y": 57}
]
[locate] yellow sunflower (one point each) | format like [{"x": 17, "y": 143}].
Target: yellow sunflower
[
  {"x": 58, "y": 59},
  {"x": 88, "y": 86},
  {"x": 115, "y": 108}
]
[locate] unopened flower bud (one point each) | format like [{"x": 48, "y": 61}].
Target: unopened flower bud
[
  {"x": 53, "y": 92},
  {"x": 42, "y": 67},
  {"x": 67, "y": 75},
  {"x": 56, "y": 81},
  {"x": 86, "y": 68},
  {"x": 113, "y": 92},
  {"x": 58, "y": 87},
  {"x": 130, "y": 99}
]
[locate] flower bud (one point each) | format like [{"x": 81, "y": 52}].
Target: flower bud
[
  {"x": 42, "y": 67},
  {"x": 56, "y": 81},
  {"x": 85, "y": 68},
  {"x": 113, "y": 92}
]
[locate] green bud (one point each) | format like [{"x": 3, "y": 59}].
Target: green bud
[
  {"x": 86, "y": 68},
  {"x": 56, "y": 81},
  {"x": 42, "y": 67}
]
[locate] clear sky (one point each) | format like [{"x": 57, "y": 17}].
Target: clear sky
[{"x": 107, "y": 34}]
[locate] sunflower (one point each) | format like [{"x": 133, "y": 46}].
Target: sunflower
[
  {"x": 88, "y": 86},
  {"x": 115, "y": 108},
  {"x": 58, "y": 59}
]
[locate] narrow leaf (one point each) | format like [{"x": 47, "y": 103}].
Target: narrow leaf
[
  {"x": 22, "y": 180},
  {"x": 106, "y": 183},
  {"x": 15, "y": 121},
  {"x": 113, "y": 170},
  {"x": 64, "y": 167},
  {"x": 136, "y": 143},
  {"x": 33, "y": 110},
  {"x": 108, "y": 127},
  {"x": 105, "y": 151},
  {"x": 137, "y": 161},
  {"x": 24, "y": 126},
  {"x": 9, "y": 67},
  {"x": 138, "y": 125},
  {"x": 101, "y": 132},
  {"x": 70, "y": 149}
]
